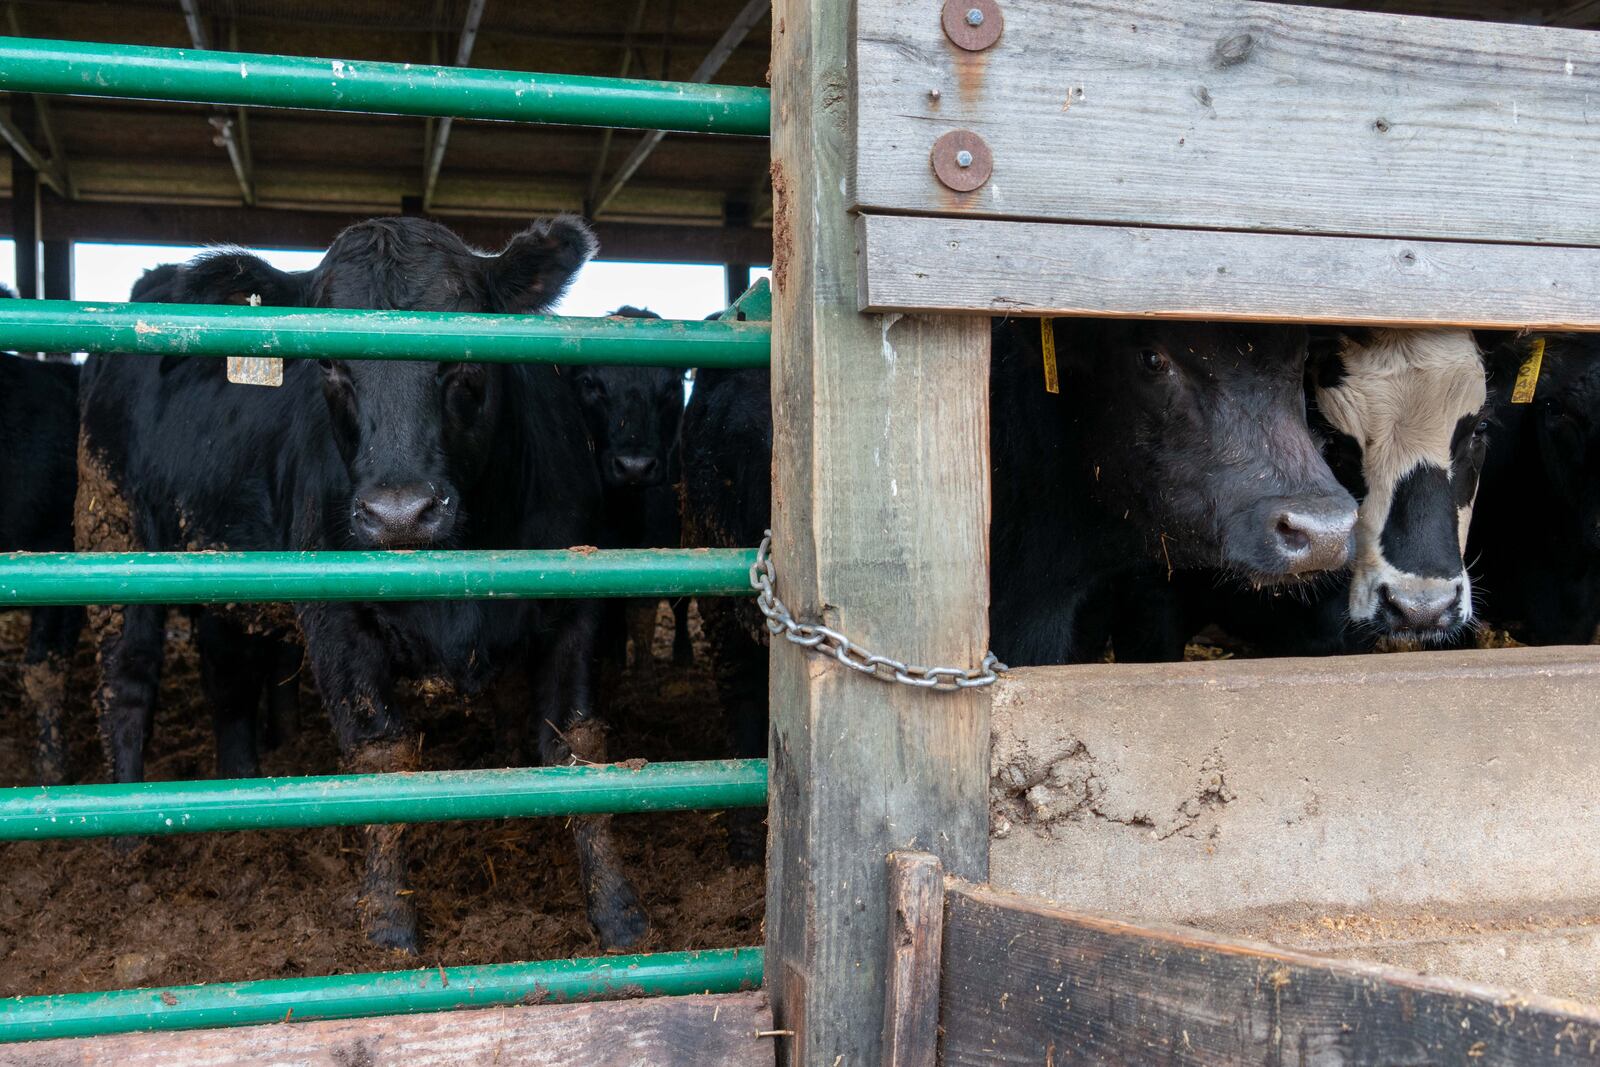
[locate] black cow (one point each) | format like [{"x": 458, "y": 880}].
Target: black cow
[
  {"x": 727, "y": 503},
  {"x": 366, "y": 454},
  {"x": 38, "y": 477},
  {"x": 1173, "y": 445},
  {"x": 280, "y": 661},
  {"x": 1537, "y": 526},
  {"x": 633, "y": 415}
]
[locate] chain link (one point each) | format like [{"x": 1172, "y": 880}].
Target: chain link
[{"x": 829, "y": 642}]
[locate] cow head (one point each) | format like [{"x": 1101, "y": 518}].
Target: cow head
[
  {"x": 1407, "y": 411},
  {"x": 1566, "y": 418},
  {"x": 1198, "y": 434},
  {"x": 633, "y": 414},
  {"x": 412, "y": 434}
]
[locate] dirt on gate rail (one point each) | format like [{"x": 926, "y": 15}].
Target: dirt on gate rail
[{"x": 78, "y": 915}]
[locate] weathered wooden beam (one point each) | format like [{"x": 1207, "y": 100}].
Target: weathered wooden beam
[
  {"x": 22, "y": 148},
  {"x": 1230, "y": 114},
  {"x": 441, "y": 126},
  {"x": 1029, "y": 982},
  {"x": 699, "y": 1031},
  {"x": 90, "y": 220},
  {"x": 880, "y": 520},
  {"x": 747, "y": 19},
  {"x": 24, "y": 227},
  {"x": 1435, "y": 810},
  {"x": 916, "y": 939},
  {"x": 1033, "y": 268}
]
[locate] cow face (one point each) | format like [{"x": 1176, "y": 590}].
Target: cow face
[
  {"x": 632, "y": 414},
  {"x": 412, "y": 435},
  {"x": 1199, "y": 436},
  {"x": 1408, "y": 409}
]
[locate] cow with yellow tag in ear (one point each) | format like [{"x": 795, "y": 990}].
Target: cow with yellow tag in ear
[{"x": 1536, "y": 534}]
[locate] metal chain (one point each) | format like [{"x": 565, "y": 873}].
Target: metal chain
[{"x": 828, "y": 642}]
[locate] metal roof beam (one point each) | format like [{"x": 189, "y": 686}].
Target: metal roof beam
[
  {"x": 232, "y": 128},
  {"x": 747, "y": 20},
  {"x": 441, "y": 127}
]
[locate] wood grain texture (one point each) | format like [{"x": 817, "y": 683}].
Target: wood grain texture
[
  {"x": 1240, "y": 115},
  {"x": 880, "y": 517},
  {"x": 1033, "y": 268},
  {"x": 916, "y": 935},
  {"x": 1028, "y": 983},
  {"x": 704, "y": 1031}
]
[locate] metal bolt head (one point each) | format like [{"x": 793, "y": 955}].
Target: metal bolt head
[
  {"x": 963, "y": 159},
  {"x": 974, "y": 17},
  {"x": 972, "y": 25}
]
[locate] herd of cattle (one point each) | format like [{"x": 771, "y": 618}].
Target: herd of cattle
[{"x": 1308, "y": 492}]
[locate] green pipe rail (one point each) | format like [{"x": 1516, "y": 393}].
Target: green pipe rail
[
  {"x": 354, "y": 996},
  {"x": 37, "y": 578},
  {"x": 325, "y": 333},
  {"x": 31, "y": 813},
  {"x": 136, "y": 72}
]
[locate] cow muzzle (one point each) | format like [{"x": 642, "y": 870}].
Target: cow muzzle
[{"x": 406, "y": 516}]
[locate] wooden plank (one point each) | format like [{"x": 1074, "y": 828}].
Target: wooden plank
[
  {"x": 1239, "y": 115},
  {"x": 880, "y": 516},
  {"x": 1026, "y": 982},
  {"x": 1033, "y": 268},
  {"x": 704, "y": 1031},
  {"x": 916, "y": 934},
  {"x": 1431, "y": 808}
]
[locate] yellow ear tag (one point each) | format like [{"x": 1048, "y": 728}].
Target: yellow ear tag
[
  {"x": 1528, "y": 374},
  {"x": 1047, "y": 342},
  {"x": 255, "y": 370}
]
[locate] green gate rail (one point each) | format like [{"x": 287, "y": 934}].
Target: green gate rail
[
  {"x": 31, "y": 578},
  {"x": 31, "y": 813},
  {"x": 353, "y": 996},
  {"x": 137, "y": 72},
  {"x": 325, "y": 333}
]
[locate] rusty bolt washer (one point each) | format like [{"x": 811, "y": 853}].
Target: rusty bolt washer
[
  {"x": 972, "y": 24},
  {"x": 962, "y": 161}
]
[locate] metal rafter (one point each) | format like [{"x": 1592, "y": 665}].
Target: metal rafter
[
  {"x": 54, "y": 172},
  {"x": 232, "y": 127},
  {"x": 630, "y": 35},
  {"x": 747, "y": 20},
  {"x": 441, "y": 128}
]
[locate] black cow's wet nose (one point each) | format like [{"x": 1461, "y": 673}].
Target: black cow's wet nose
[
  {"x": 403, "y": 515},
  {"x": 633, "y": 470},
  {"x": 1426, "y": 608},
  {"x": 1311, "y": 538}
]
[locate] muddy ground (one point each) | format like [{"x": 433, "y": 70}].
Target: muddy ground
[{"x": 79, "y": 915}]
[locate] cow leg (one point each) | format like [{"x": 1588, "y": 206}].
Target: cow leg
[
  {"x": 130, "y": 643},
  {"x": 641, "y": 616},
  {"x": 283, "y": 693},
  {"x": 565, "y": 685},
  {"x": 739, "y": 665},
  {"x": 682, "y": 643},
  {"x": 232, "y": 676},
  {"x": 351, "y": 668},
  {"x": 52, "y": 640}
]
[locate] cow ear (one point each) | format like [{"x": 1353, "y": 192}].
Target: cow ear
[
  {"x": 538, "y": 264},
  {"x": 234, "y": 276}
]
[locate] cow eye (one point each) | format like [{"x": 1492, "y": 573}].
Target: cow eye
[
  {"x": 1482, "y": 427},
  {"x": 1153, "y": 361},
  {"x": 325, "y": 364}
]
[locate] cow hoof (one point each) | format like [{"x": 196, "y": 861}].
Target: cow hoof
[
  {"x": 395, "y": 937},
  {"x": 621, "y": 926}
]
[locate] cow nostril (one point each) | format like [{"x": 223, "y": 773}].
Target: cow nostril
[{"x": 1292, "y": 537}]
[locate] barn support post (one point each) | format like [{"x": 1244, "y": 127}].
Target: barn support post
[
  {"x": 25, "y": 206},
  {"x": 880, "y": 521},
  {"x": 57, "y": 268}
]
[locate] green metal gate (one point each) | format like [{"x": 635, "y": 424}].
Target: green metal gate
[{"x": 75, "y": 68}]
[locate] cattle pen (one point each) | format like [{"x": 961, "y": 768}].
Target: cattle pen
[{"x": 933, "y": 165}]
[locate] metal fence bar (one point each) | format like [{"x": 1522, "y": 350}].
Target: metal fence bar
[
  {"x": 78, "y": 68},
  {"x": 325, "y": 333},
  {"x": 33, "y": 813},
  {"x": 270, "y": 577},
  {"x": 352, "y": 996}
]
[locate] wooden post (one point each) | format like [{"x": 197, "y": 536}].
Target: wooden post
[
  {"x": 916, "y": 945},
  {"x": 880, "y": 520},
  {"x": 57, "y": 269},
  {"x": 736, "y": 215}
]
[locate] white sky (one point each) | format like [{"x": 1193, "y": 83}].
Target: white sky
[{"x": 672, "y": 290}]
